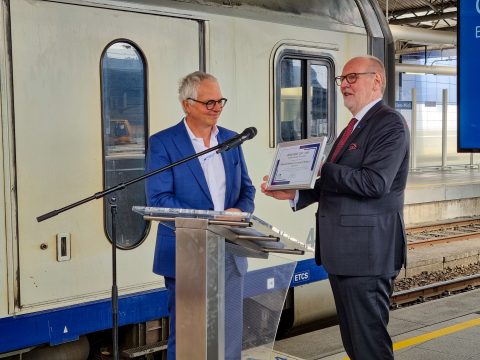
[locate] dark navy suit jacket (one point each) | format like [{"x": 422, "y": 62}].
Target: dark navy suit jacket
[
  {"x": 360, "y": 227},
  {"x": 185, "y": 186}
]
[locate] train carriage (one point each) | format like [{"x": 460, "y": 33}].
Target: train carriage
[{"x": 83, "y": 85}]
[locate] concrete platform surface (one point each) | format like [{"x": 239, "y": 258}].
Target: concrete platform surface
[
  {"x": 436, "y": 195},
  {"x": 447, "y": 328},
  {"x": 436, "y": 185}
]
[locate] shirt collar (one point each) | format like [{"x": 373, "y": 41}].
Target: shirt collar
[
  {"x": 365, "y": 109},
  {"x": 192, "y": 136}
]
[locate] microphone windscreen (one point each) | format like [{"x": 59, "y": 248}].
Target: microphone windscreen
[{"x": 250, "y": 132}]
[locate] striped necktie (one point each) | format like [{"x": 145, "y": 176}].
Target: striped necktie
[{"x": 346, "y": 134}]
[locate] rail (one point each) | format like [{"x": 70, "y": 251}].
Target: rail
[
  {"x": 443, "y": 233},
  {"x": 422, "y": 293}
]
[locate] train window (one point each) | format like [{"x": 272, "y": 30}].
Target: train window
[
  {"x": 124, "y": 117},
  {"x": 291, "y": 100},
  {"x": 304, "y": 97}
]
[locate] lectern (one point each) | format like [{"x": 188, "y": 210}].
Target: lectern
[{"x": 204, "y": 241}]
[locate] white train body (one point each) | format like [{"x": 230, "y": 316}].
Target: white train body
[{"x": 53, "y": 140}]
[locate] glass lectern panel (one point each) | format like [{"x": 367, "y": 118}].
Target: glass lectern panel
[
  {"x": 190, "y": 213},
  {"x": 240, "y": 229},
  {"x": 265, "y": 288},
  {"x": 248, "y": 302},
  {"x": 167, "y": 215}
]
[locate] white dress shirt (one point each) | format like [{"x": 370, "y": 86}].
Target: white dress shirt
[
  {"x": 359, "y": 116},
  {"x": 212, "y": 166}
]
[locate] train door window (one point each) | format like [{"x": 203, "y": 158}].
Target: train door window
[
  {"x": 317, "y": 120},
  {"x": 304, "y": 97},
  {"x": 124, "y": 117},
  {"x": 291, "y": 100}
]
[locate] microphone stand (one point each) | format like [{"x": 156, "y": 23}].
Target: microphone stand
[{"x": 225, "y": 146}]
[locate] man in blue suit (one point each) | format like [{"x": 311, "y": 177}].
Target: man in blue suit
[
  {"x": 360, "y": 238},
  {"x": 211, "y": 182}
]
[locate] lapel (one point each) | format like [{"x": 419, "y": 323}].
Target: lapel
[
  {"x": 185, "y": 148},
  {"x": 227, "y": 157},
  {"x": 358, "y": 129}
]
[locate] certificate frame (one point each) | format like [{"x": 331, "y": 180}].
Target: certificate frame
[{"x": 296, "y": 164}]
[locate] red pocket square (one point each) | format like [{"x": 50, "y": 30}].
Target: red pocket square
[{"x": 352, "y": 146}]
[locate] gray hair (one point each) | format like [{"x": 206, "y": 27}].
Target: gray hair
[
  {"x": 377, "y": 66},
  {"x": 374, "y": 65},
  {"x": 188, "y": 86}
]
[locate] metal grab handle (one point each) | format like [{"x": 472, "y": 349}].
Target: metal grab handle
[
  {"x": 260, "y": 238},
  {"x": 212, "y": 222},
  {"x": 284, "y": 251},
  {"x": 230, "y": 223},
  {"x": 158, "y": 218}
]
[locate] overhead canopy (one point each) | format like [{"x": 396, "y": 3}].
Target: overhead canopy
[{"x": 428, "y": 14}]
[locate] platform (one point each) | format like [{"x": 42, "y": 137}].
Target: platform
[
  {"x": 439, "y": 195},
  {"x": 443, "y": 329},
  {"x": 447, "y": 328}
]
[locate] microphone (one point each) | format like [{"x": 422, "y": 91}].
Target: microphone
[{"x": 237, "y": 140}]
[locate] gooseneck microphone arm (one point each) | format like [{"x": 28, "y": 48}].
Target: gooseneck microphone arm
[
  {"x": 225, "y": 146},
  {"x": 122, "y": 186}
]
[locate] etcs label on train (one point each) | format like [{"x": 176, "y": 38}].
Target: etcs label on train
[{"x": 301, "y": 277}]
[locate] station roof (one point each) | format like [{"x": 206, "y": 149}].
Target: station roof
[{"x": 428, "y": 14}]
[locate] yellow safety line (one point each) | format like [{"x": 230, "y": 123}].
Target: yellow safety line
[{"x": 432, "y": 335}]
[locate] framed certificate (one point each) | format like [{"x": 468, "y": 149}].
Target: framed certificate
[{"x": 296, "y": 164}]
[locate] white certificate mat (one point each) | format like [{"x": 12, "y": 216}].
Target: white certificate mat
[{"x": 296, "y": 164}]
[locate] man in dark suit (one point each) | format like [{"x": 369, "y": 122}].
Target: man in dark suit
[
  {"x": 211, "y": 182},
  {"x": 360, "y": 236}
]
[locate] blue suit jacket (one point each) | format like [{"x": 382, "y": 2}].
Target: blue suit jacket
[{"x": 185, "y": 186}]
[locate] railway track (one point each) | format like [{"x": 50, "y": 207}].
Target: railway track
[
  {"x": 443, "y": 288},
  {"x": 442, "y": 233}
]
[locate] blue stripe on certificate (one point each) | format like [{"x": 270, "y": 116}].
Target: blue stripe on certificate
[
  {"x": 284, "y": 182},
  {"x": 317, "y": 149}
]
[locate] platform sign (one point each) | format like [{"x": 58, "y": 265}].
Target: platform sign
[
  {"x": 468, "y": 76},
  {"x": 403, "y": 105}
]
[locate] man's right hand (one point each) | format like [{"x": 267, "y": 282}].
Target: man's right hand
[{"x": 277, "y": 194}]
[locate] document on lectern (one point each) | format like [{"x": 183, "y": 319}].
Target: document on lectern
[{"x": 296, "y": 164}]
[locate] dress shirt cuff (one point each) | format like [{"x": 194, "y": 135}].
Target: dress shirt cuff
[{"x": 293, "y": 203}]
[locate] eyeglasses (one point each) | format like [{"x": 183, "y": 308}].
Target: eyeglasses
[
  {"x": 351, "y": 78},
  {"x": 210, "y": 104}
]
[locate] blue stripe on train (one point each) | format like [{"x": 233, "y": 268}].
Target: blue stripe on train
[
  {"x": 68, "y": 323},
  {"x": 260, "y": 281},
  {"x": 308, "y": 271}
]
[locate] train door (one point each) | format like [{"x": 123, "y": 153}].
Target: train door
[
  {"x": 59, "y": 100},
  {"x": 6, "y": 250}
]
